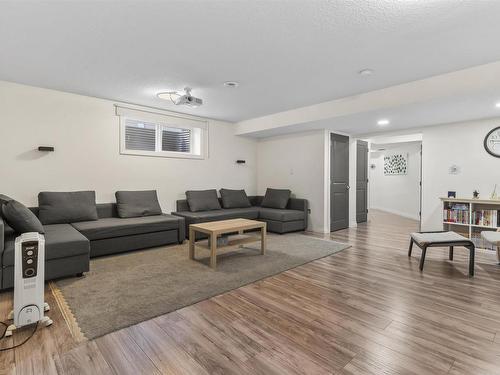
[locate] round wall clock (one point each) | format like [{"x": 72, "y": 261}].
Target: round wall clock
[{"x": 492, "y": 142}]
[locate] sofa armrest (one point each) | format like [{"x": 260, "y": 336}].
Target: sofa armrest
[
  {"x": 297, "y": 204},
  {"x": 300, "y": 205},
  {"x": 182, "y": 229},
  {"x": 2, "y": 236},
  {"x": 181, "y": 205}
]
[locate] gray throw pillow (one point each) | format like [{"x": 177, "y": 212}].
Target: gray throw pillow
[
  {"x": 202, "y": 200},
  {"x": 234, "y": 198},
  {"x": 276, "y": 198},
  {"x": 21, "y": 218},
  {"x": 137, "y": 203},
  {"x": 66, "y": 207}
]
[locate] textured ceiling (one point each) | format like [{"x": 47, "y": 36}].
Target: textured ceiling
[{"x": 285, "y": 54}]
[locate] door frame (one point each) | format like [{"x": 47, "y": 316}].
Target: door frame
[{"x": 367, "y": 146}]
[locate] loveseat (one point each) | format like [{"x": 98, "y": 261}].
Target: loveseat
[
  {"x": 70, "y": 243},
  {"x": 292, "y": 217}
]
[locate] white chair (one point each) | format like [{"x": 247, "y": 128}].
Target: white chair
[{"x": 493, "y": 238}]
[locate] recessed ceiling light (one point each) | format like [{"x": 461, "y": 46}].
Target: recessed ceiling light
[
  {"x": 365, "y": 72},
  {"x": 497, "y": 105},
  {"x": 231, "y": 84},
  {"x": 383, "y": 122}
]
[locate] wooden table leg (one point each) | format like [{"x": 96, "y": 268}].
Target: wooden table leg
[
  {"x": 263, "y": 235},
  {"x": 240, "y": 232},
  {"x": 191, "y": 243},
  {"x": 213, "y": 250}
]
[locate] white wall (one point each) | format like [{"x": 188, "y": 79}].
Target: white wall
[
  {"x": 458, "y": 144},
  {"x": 85, "y": 134},
  {"x": 295, "y": 162},
  {"x": 399, "y": 194},
  {"x": 301, "y": 162}
]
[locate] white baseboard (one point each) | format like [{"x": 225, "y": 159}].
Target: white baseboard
[{"x": 396, "y": 212}]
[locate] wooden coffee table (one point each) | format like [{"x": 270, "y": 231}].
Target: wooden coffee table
[{"x": 215, "y": 229}]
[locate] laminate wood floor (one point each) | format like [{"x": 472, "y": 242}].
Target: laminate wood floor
[{"x": 366, "y": 310}]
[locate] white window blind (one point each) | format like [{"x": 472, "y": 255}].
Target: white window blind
[
  {"x": 175, "y": 139},
  {"x": 155, "y": 134},
  {"x": 140, "y": 135}
]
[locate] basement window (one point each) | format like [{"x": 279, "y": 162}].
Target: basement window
[{"x": 153, "y": 134}]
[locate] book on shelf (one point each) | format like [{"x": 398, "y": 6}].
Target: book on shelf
[
  {"x": 485, "y": 218},
  {"x": 456, "y": 213}
]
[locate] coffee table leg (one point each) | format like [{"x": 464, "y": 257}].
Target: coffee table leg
[
  {"x": 213, "y": 250},
  {"x": 240, "y": 232},
  {"x": 191, "y": 243},
  {"x": 263, "y": 234}
]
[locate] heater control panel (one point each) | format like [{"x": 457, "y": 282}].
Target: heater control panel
[{"x": 30, "y": 258}]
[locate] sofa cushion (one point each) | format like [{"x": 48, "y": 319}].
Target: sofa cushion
[
  {"x": 61, "y": 241},
  {"x": 234, "y": 198},
  {"x": 276, "y": 198},
  {"x": 277, "y": 214},
  {"x": 137, "y": 203},
  {"x": 224, "y": 214},
  {"x": 21, "y": 218},
  {"x": 118, "y": 227},
  {"x": 66, "y": 207},
  {"x": 202, "y": 200}
]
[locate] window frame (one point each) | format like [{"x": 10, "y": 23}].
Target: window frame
[{"x": 160, "y": 121}]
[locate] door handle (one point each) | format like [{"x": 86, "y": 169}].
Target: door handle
[{"x": 347, "y": 187}]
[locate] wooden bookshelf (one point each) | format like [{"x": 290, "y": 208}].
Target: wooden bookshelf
[{"x": 466, "y": 225}]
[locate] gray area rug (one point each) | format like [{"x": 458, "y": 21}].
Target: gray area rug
[{"x": 129, "y": 288}]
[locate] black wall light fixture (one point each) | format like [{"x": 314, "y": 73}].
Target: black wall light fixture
[
  {"x": 240, "y": 161},
  {"x": 46, "y": 148}
]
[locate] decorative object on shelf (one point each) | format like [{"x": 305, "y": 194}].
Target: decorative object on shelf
[
  {"x": 494, "y": 194},
  {"x": 475, "y": 194},
  {"x": 395, "y": 164},
  {"x": 452, "y": 194},
  {"x": 454, "y": 169},
  {"x": 492, "y": 142}
]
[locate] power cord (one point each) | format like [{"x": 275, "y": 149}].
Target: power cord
[{"x": 22, "y": 343}]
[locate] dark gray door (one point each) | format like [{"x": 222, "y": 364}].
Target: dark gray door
[
  {"x": 339, "y": 182},
  {"x": 361, "y": 181}
]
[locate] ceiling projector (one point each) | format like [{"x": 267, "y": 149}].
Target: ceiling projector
[{"x": 188, "y": 99}]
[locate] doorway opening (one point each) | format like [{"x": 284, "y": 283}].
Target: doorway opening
[{"x": 395, "y": 179}]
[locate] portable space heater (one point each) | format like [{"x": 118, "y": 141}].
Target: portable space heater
[{"x": 29, "y": 282}]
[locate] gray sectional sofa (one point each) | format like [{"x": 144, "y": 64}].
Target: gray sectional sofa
[
  {"x": 291, "y": 218},
  {"x": 69, "y": 244}
]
